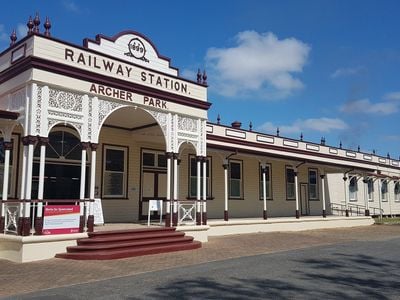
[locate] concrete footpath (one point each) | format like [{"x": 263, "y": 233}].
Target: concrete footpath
[{"x": 28, "y": 277}]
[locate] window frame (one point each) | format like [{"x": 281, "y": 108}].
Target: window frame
[
  {"x": 351, "y": 178},
  {"x": 383, "y": 192},
  {"x": 317, "y": 197},
  {"x": 125, "y": 150},
  {"x": 209, "y": 178},
  {"x": 269, "y": 182},
  {"x": 396, "y": 184},
  {"x": 241, "y": 185},
  {"x": 287, "y": 168},
  {"x": 370, "y": 199}
]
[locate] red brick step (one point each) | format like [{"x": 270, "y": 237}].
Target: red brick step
[{"x": 128, "y": 243}]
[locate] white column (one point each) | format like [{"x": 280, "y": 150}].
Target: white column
[
  {"x": 82, "y": 187},
  {"x": 23, "y": 183},
  {"x": 380, "y": 198},
  {"x": 168, "y": 198},
  {"x": 323, "y": 195},
  {"x": 388, "y": 196},
  {"x": 28, "y": 189},
  {"x": 90, "y": 222},
  {"x": 175, "y": 200},
  {"x": 296, "y": 188},
  {"x": 204, "y": 214},
  {"x": 346, "y": 194},
  {"x": 226, "y": 165},
  {"x": 7, "y": 149},
  {"x": 198, "y": 190},
  {"x": 42, "y": 163},
  {"x": 365, "y": 180},
  {"x": 264, "y": 191}
]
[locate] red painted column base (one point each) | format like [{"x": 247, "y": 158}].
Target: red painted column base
[
  {"x": 226, "y": 217},
  {"x": 90, "y": 223},
  {"x": 81, "y": 223},
  {"x": 347, "y": 212},
  {"x": 25, "y": 226},
  {"x": 324, "y": 213},
  {"x": 367, "y": 213},
  {"x": 2, "y": 224},
  {"x": 265, "y": 215},
  {"x": 168, "y": 220},
  {"x": 198, "y": 218},
  {"x": 38, "y": 225},
  {"x": 204, "y": 218},
  {"x": 175, "y": 219},
  {"x": 297, "y": 214}
]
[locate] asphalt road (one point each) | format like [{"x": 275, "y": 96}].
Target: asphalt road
[{"x": 357, "y": 270}]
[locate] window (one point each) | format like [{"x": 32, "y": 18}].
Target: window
[
  {"x": 115, "y": 171},
  {"x": 370, "y": 184},
  {"x": 384, "y": 189},
  {"x": 313, "y": 184},
  {"x": 267, "y": 181},
  {"x": 353, "y": 188},
  {"x": 193, "y": 177},
  {"x": 235, "y": 179},
  {"x": 154, "y": 160},
  {"x": 290, "y": 184},
  {"x": 397, "y": 191}
]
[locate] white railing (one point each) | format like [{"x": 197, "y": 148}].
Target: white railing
[{"x": 187, "y": 213}]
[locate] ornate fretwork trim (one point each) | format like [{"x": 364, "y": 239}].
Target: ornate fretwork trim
[{"x": 65, "y": 100}]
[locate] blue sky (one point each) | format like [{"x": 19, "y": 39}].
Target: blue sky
[{"x": 321, "y": 68}]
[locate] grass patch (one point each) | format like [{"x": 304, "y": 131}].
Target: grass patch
[{"x": 387, "y": 220}]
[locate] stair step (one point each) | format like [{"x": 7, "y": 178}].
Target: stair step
[
  {"x": 130, "y": 252},
  {"x": 129, "y": 237},
  {"x": 130, "y": 244},
  {"x": 132, "y": 231}
]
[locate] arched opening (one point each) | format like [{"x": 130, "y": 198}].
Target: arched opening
[
  {"x": 133, "y": 164},
  {"x": 62, "y": 167}
]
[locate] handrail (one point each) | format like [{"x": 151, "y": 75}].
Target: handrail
[{"x": 353, "y": 208}]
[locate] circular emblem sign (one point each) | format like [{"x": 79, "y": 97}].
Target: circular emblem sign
[{"x": 136, "y": 48}]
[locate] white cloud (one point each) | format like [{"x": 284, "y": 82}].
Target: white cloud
[
  {"x": 21, "y": 30},
  {"x": 71, "y": 6},
  {"x": 259, "y": 63},
  {"x": 367, "y": 107},
  {"x": 313, "y": 124},
  {"x": 344, "y": 72},
  {"x": 3, "y": 35},
  {"x": 392, "y": 96}
]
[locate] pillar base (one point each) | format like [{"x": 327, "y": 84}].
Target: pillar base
[
  {"x": 347, "y": 212},
  {"x": 324, "y": 213},
  {"x": 24, "y": 226},
  {"x": 2, "y": 224},
  {"x": 204, "y": 218},
  {"x": 38, "y": 225},
  {"x": 81, "y": 223},
  {"x": 367, "y": 213},
  {"x": 175, "y": 219},
  {"x": 90, "y": 223},
  {"x": 198, "y": 218},
  {"x": 226, "y": 217},
  {"x": 265, "y": 215},
  {"x": 168, "y": 219},
  {"x": 297, "y": 214}
]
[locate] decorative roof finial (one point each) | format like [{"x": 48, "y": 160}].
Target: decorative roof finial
[
  {"x": 36, "y": 22},
  {"x": 218, "y": 119},
  {"x": 198, "y": 76},
  {"x": 251, "y": 126},
  {"x": 13, "y": 37},
  {"x": 277, "y": 131},
  {"x": 373, "y": 151},
  {"x": 388, "y": 155},
  {"x": 323, "y": 141},
  {"x": 301, "y": 136},
  {"x": 47, "y": 26},
  {"x": 30, "y": 25},
  {"x": 204, "y": 77},
  {"x": 358, "y": 148},
  {"x": 340, "y": 145}
]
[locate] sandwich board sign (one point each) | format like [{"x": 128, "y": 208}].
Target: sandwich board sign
[{"x": 155, "y": 205}]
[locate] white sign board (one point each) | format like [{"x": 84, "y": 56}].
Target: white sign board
[
  {"x": 155, "y": 205},
  {"x": 98, "y": 212}
]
